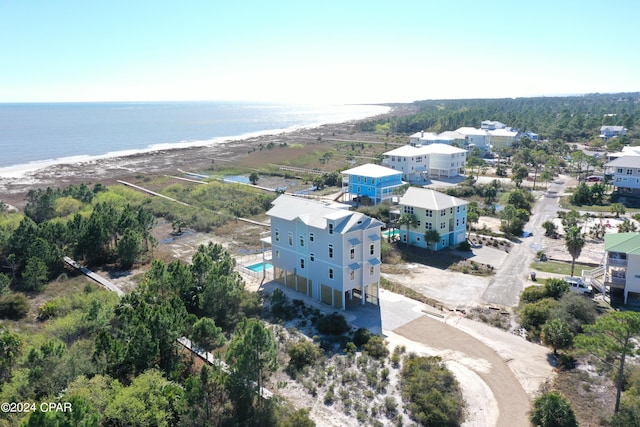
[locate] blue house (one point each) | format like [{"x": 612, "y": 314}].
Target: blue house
[{"x": 371, "y": 182}]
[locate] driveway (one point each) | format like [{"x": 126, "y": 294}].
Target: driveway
[
  {"x": 498, "y": 372},
  {"x": 510, "y": 278}
]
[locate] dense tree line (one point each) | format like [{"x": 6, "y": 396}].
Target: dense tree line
[
  {"x": 570, "y": 118},
  {"x": 118, "y": 362}
]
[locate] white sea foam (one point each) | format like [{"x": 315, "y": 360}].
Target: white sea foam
[{"x": 22, "y": 170}]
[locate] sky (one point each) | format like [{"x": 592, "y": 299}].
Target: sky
[{"x": 346, "y": 51}]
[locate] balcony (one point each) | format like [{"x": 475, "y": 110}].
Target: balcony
[{"x": 616, "y": 262}]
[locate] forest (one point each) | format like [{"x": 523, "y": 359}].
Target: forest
[
  {"x": 116, "y": 361},
  {"x": 569, "y": 118}
]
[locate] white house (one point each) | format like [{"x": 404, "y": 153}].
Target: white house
[
  {"x": 418, "y": 163},
  {"x": 434, "y": 211},
  {"x": 625, "y": 173},
  {"x": 502, "y": 138},
  {"x": 327, "y": 253},
  {"x": 476, "y": 138},
  {"x": 620, "y": 271},
  {"x": 492, "y": 125}
]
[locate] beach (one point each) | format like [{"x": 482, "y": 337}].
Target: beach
[{"x": 16, "y": 182}]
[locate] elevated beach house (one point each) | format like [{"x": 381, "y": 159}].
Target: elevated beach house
[
  {"x": 421, "y": 162},
  {"x": 433, "y": 211},
  {"x": 624, "y": 173},
  {"x": 326, "y": 252},
  {"x": 608, "y": 132},
  {"x": 620, "y": 271},
  {"x": 371, "y": 184}
]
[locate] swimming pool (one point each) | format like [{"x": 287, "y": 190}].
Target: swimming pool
[
  {"x": 258, "y": 267},
  {"x": 392, "y": 233}
]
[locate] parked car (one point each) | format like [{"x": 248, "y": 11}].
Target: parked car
[
  {"x": 577, "y": 285},
  {"x": 594, "y": 178}
]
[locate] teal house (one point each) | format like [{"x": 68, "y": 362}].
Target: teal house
[{"x": 371, "y": 184}]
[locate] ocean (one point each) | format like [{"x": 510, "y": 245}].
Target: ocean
[{"x": 41, "y": 134}]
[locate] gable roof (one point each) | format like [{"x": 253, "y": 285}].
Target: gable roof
[
  {"x": 426, "y": 198},
  {"x": 315, "y": 214},
  {"x": 626, "y": 161},
  {"x": 371, "y": 170},
  {"x": 628, "y": 243},
  {"x": 471, "y": 131}
]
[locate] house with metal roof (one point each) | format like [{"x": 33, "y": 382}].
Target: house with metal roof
[
  {"x": 325, "y": 252},
  {"x": 422, "y": 162},
  {"x": 371, "y": 184},
  {"x": 502, "y": 138},
  {"x": 433, "y": 210},
  {"x": 476, "y": 138},
  {"x": 607, "y": 132},
  {"x": 624, "y": 173},
  {"x": 620, "y": 272}
]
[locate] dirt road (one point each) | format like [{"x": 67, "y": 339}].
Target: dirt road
[{"x": 512, "y": 401}]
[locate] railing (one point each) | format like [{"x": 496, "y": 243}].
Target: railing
[
  {"x": 617, "y": 262},
  {"x": 267, "y": 274}
]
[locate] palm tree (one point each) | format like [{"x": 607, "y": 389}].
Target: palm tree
[
  {"x": 409, "y": 220},
  {"x": 574, "y": 241},
  {"x": 431, "y": 236}
]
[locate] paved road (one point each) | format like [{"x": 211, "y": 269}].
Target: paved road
[{"x": 510, "y": 278}]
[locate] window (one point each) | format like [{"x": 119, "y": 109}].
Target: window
[
  {"x": 331, "y": 273},
  {"x": 372, "y": 270},
  {"x": 277, "y": 233},
  {"x": 331, "y": 225},
  {"x": 629, "y": 171},
  {"x": 277, "y": 254},
  {"x": 429, "y": 212},
  {"x": 457, "y": 222},
  {"x": 330, "y": 251},
  {"x": 619, "y": 170},
  {"x": 444, "y": 242},
  {"x": 408, "y": 209},
  {"x": 312, "y": 257},
  {"x": 442, "y": 225},
  {"x": 352, "y": 253},
  {"x": 418, "y": 223},
  {"x": 352, "y": 275},
  {"x": 301, "y": 262},
  {"x": 458, "y": 209},
  {"x": 359, "y": 178},
  {"x": 372, "y": 249},
  {"x": 451, "y": 210},
  {"x": 301, "y": 241},
  {"x": 365, "y": 179},
  {"x": 443, "y": 212},
  {"x": 312, "y": 237},
  {"x": 290, "y": 239},
  {"x": 463, "y": 220},
  {"x": 427, "y": 226}
]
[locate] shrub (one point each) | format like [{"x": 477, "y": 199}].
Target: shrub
[
  {"x": 376, "y": 347},
  {"x": 361, "y": 337},
  {"x": 533, "y": 293},
  {"x": 464, "y": 246},
  {"x": 334, "y": 324},
  {"x": 555, "y": 288},
  {"x": 13, "y": 306},
  {"x": 302, "y": 354},
  {"x": 534, "y": 315}
]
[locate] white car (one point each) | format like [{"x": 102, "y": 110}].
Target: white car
[{"x": 577, "y": 285}]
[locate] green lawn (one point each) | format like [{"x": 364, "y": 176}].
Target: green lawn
[{"x": 559, "y": 267}]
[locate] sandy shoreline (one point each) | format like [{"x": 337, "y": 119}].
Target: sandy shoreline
[{"x": 15, "y": 185}]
